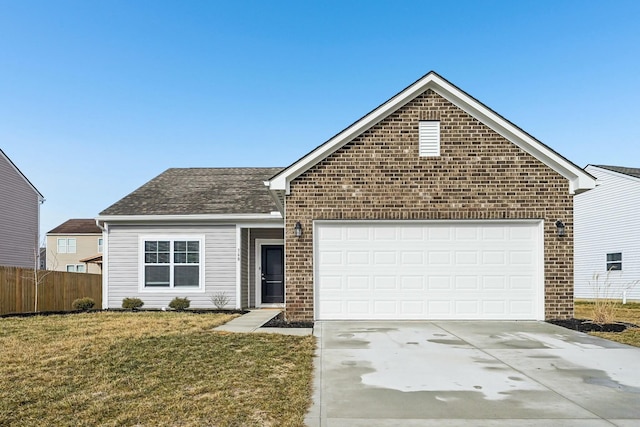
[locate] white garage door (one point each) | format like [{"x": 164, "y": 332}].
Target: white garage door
[{"x": 429, "y": 270}]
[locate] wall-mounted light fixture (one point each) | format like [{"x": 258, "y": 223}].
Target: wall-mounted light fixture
[
  {"x": 298, "y": 229},
  {"x": 561, "y": 228}
]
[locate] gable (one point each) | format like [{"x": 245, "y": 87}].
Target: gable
[
  {"x": 477, "y": 168},
  {"x": 579, "y": 180}
]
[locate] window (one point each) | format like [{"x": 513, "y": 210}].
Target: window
[
  {"x": 100, "y": 245},
  {"x": 76, "y": 268},
  {"x": 614, "y": 261},
  {"x": 66, "y": 246},
  {"x": 429, "y": 138},
  {"x": 172, "y": 263}
]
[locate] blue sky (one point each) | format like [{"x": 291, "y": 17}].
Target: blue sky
[{"x": 98, "y": 97}]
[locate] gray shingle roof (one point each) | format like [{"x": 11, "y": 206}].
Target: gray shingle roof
[
  {"x": 195, "y": 191},
  {"x": 621, "y": 169}
]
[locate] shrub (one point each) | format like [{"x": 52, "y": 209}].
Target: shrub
[
  {"x": 83, "y": 304},
  {"x": 132, "y": 303},
  {"x": 180, "y": 304},
  {"x": 220, "y": 300}
]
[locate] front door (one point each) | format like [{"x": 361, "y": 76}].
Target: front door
[{"x": 272, "y": 274}]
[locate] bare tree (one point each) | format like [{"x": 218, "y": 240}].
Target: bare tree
[{"x": 38, "y": 275}]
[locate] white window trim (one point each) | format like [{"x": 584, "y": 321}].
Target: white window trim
[
  {"x": 171, "y": 238},
  {"x": 607, "y": 263},
  {"x": 100, "y": 246},
  {"x": 75, "y": 268},
  {"x": 66, "y": 245}
]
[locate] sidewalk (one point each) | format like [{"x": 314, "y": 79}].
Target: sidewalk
[{"x": 252, "y": 322}]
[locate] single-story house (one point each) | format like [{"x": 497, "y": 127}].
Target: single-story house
[
  {"x": 607, "y": 230},
  {"x": 431, "y": 206}
]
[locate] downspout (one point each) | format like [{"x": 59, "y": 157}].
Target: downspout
[{"x": 104, "y": 270}]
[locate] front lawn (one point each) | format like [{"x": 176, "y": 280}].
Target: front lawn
[
  {"x": 149, "y": 369},
  {"x": 629, "y": 313}
]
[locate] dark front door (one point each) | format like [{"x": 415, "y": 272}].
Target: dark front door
[{"x": 272, "y": 274}]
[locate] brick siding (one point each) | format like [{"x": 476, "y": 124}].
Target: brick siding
[{"x": 479, "y": 175}]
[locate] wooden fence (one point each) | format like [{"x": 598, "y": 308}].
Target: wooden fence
[{"x": 56, "y": 290}]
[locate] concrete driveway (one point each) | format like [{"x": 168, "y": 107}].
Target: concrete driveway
[{"x": 471, "y": 374}]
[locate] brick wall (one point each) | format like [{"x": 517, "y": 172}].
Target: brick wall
[{"x": 479, "y": 175}]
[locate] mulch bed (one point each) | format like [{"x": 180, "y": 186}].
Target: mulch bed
[
  {"x": 585, "y": 325},
  {"x": 279, "y": 322},
  {"x": 139, "y": 310}
]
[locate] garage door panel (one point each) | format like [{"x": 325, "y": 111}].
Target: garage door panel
[
  {"x": 492, "y": 283},
  {"x": 467, "y": 308},
  {"x": 331, "y": 283},
  {"x": 385, "y": 283},
  {"x": 521, "y": 257},
  {"x": 412, "y": 283},
  {"x": 358, "y": 234},
  {"x": 494, "y": 307},
  {"x": 439, "y": 258},
  {"x": 467, "y": 283},
  {"x": 443, "y": 270},
  {"x": 331, "y": 258},
  {"x": 439, "y": 283},
  {"x": 494, "y": 234},
  {"x": 358, "y": 258},
  {"x": 358, "y": 283},
  {"x": 523, "y": 283},
  {"x": 385, "y": 257},
  {"x": 466, "y": 257},
  {"x": 411, "y": 258}
]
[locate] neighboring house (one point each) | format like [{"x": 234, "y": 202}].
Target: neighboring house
[
  {"x": 19, "y": 217},
  {"x": 432, "y": 206},
  {"x": 607, "y": 230},
  {"x": 75, "y": 246}
]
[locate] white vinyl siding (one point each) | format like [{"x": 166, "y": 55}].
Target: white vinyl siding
[
  {"x": 429, "y": 138},
  {"x": 404, "y": 270},
  {"x": 606, "y": 222},
  {"x": 123, "y": 273}
]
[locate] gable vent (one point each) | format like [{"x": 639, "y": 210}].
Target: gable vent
[{"x": 429, "y": 138}]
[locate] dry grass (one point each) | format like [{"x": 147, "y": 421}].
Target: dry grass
[
  {"x": 149, "y": 369},
  {"x": 629, "y": 313}
]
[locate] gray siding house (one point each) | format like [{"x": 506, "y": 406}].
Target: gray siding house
[
  {"x": 195, "y": 233},
  {"x": 19, "y": 216},
  {"x": 431, "y": 206}
]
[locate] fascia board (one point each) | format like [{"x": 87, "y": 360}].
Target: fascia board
[{"x": 187, "y": 218}]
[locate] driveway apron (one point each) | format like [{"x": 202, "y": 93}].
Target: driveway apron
[{"x": 456, "y": 373}]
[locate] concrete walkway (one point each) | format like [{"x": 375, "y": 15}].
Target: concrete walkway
[
  {"x": 471, "y": 374},
  {"x": 253, "y": 320}
]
